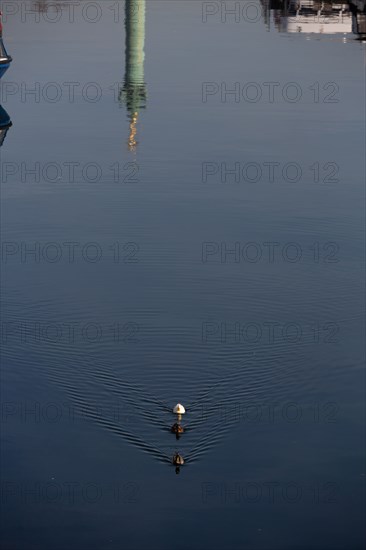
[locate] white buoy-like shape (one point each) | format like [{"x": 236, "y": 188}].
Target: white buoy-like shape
[{"x": 179, "y": 409}]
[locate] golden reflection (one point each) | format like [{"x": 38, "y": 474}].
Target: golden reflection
[
  {"x": 133, "y": 93},
  {"x": 133, "y": 131}
]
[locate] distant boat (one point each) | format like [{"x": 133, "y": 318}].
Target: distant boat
[{"x": 5, "y": 58}]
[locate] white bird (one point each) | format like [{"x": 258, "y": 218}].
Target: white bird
[{"x": 179, "y": 409}]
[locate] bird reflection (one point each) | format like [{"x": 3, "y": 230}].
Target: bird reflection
[
  {"x": 177, "y": 429},
  {"x": 133, "y": 93}
]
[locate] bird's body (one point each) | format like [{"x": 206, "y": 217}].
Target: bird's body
[{"x": 178, "y": 460}]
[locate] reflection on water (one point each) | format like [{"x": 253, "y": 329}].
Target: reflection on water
[
  {"x": 312, "y": 17},
  {"x": 237, "y": 384},
  {"x": 5, "y": 124},
  {"x": 41, "y": 6},
  {"x": 228, "y": 386},
  {"x": 5, "y": 60},
  {"x": 316, "y": 17},
  {"x": 133, "y": 93}
]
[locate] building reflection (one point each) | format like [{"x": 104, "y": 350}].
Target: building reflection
[
  {"x": 133, "y": 93},
  {"x": 316, "y": 17}
]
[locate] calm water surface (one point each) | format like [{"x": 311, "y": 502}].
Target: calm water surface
[{"x": 166, "y": 242}]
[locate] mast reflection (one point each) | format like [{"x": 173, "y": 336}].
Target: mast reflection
[{"x": 134, "y": 93}]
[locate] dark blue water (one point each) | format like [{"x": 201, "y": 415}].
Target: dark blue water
[{"x": 183, "y": 215}]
